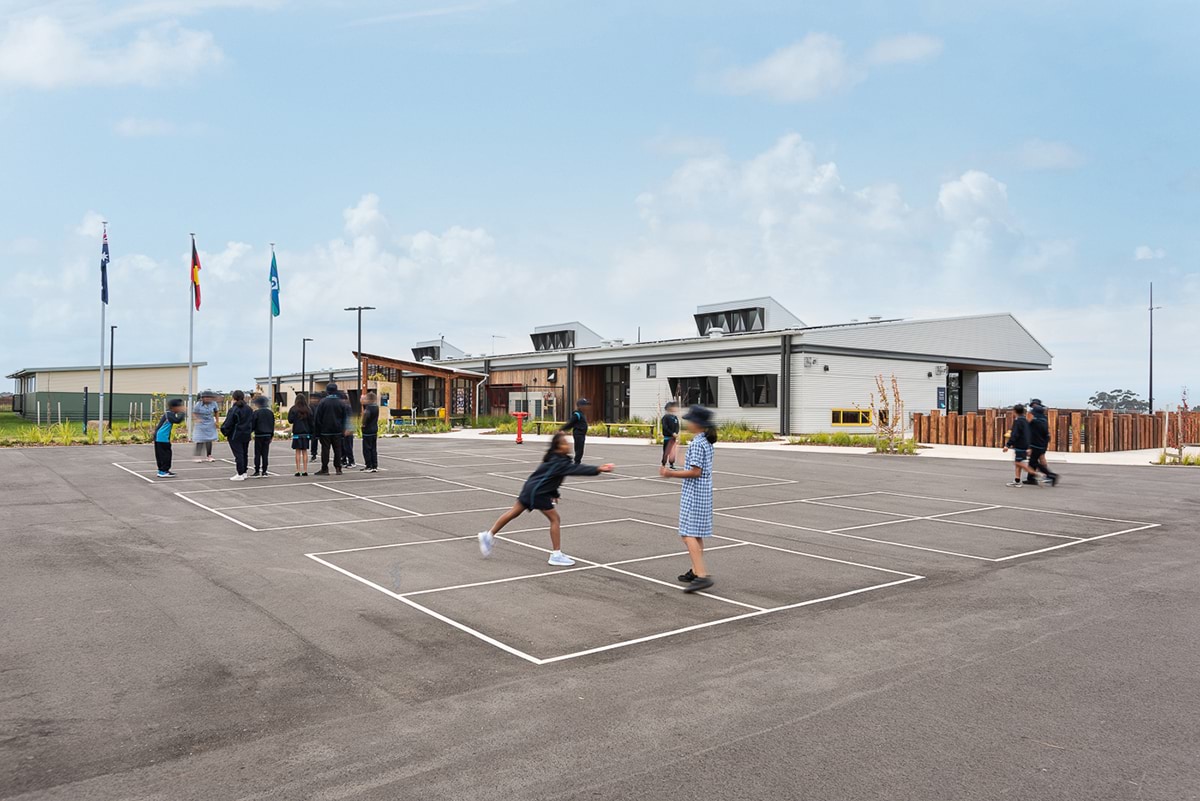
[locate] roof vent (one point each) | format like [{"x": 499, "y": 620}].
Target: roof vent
[
  {"x": 716, "y": 332},
  {"x": 875, "y": 319},
  {"x": 616, "y": 343},
  {"x": 427, "y": 359}
]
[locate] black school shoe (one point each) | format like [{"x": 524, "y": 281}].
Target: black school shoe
[
  {"x": 699, "y": 583},
  {"x": 687, "y": 577}
]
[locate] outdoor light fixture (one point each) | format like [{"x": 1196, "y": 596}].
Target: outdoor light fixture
[
  {"x": 826, "y": 368},
  {"x": 929, "y": 375}
]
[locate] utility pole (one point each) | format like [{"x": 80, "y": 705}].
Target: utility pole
[
  {"x": 112, "y": 336},
  {"x": 303, "y": 353},
  {"x": 1153, "y": 309},
  {"x": 360, "y": 310}
]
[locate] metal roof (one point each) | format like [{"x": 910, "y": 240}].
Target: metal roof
[{"x": 31, "y": 370}]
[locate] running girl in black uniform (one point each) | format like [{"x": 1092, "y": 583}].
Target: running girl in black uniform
[{"x": 541, "y": 492}]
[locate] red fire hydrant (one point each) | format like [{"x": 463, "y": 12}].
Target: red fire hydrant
[{"x": 520, "y": 426}]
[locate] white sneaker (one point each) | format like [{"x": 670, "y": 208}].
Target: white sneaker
[
  {"x": 486, "y": 540},
  {"x": 238, "y": 477},
  {"x": 561, "y": 559}
]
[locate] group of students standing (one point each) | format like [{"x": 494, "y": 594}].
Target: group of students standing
[{"x": 329, "y": 424}]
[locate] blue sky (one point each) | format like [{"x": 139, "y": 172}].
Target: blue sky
[{"x": 476, "y": 168}]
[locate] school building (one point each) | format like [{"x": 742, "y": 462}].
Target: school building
[
  {"x": 750, "y": 360},
  {"x": 48, "y": 393}
]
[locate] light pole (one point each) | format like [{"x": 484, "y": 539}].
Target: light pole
[
  {"x": 1153, "y": 308},
  {"x": 303, "y": 353},
  {"x": 360, "y": 310},
  {"x": 111, "y": 346}
]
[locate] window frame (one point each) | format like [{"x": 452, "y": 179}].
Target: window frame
[
  {"x": 837, "y": 418},
  {"x": 748, "y": 385},
  {"x": 706, "y": 385}
]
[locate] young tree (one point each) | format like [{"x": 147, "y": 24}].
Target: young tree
[{"x": 887, "y": 416}]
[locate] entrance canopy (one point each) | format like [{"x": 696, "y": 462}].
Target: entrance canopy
[{"x": 368, "y": 360}]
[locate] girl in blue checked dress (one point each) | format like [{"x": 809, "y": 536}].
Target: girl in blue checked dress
[{"x": 696, "y": 499}]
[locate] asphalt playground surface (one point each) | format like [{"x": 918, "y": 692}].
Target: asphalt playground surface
[{"x": 881, "y": 627}]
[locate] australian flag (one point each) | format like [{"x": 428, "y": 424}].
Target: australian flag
[{"x": 104, "y": 270}]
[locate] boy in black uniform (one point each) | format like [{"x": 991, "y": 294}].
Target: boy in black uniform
[
  {"x": 1039, "y": 443},
  {"x": 264, "y": 432},
  {"x": 172, "y": 417},
  {"x": 670, "y": 434},
  {"x": 578, "y": 426},
  {"x": 330, "y": 424},
  {"x": 370, "y": 434},
  {"x": 1018, "y": 440}
]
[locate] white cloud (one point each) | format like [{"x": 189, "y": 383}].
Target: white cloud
[
  {"x": 91, "y": 225},
  {"x": 817, "y": 66},
  {"x": 44, "y": 52},
  {"x": 811, "y": 68},
  {"x": 905, "y": 49},
  {"x": 1147, "y": 253},
  {"x": 137, "y": 127},
  {"x": 782, "y": 222},
  {"x": 1039, "y": 154}
]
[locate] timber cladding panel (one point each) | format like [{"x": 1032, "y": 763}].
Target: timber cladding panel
[{"x": 1071, "y": 430}]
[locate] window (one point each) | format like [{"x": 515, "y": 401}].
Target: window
[
  {"x": 732, "y": 321},
  {"x": 689, "y": 391},
  {"x": 651, "y": 371},
  {"x": 851, "y": 417},
  {"x": 757, "y": 390},
  {"x": 553, "y": 340}
]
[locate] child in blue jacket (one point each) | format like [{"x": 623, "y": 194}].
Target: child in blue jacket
[
  {"x": 172, "y": 417},
  {"x": 541, "y": 492}
]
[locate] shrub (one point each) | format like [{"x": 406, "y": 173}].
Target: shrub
[{"x": 840, "y": 439}]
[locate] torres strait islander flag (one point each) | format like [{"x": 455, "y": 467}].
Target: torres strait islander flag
[{"x": 196, "y": 274}]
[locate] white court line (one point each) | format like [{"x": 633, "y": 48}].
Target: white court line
[
  {"x": 795, "y": 500},
  {"x": 1077, "y": 542},
  {"x": 914, "y": 518},
  {"x": 627, "y": 573},
  {"x": 1004, "y": 528},
  {"x": 709, "y": 624},
  {"x": 467, "y": 629},
  {"x": 467, "y": 537},
  {"x": 789, "y": 550},
  {"x": 1029, "y": 509},
  {"x": 338, "y": 523},
  {"x": 217, "y": 513},
  {"x": 544, "y": 573},
  {"x": 133, "y": 473},
  {"x": 672, "y": 492},
  {"x": 855, "y": 537},
  {"x": 282, "y": 503},
  {"x": 368, "y": 500}
]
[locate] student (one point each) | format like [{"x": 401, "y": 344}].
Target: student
[
  {"x": 696, "y": 499},
  {"x": 578, "y": 426},
  {"x": 300, "y": 419},
  {"x": 264, "y": 432},
  {"x": 541, "y": 492},
  {"x": 670, "y": 434},
  {"x": 172, "y": 417},
  {"x": 330, "y": 424},
  {"x": 238, "y": 428},
  {"x": 316, "y": 441},
  {"x": 204, "y": 425},
  {"x": 1018, "y": 441},
  {"x": 348, "y": 436},
  {"x": 1039, "y": 443},
  {"x": 370, "y": 434}
]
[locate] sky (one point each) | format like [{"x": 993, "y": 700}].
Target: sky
[{"x": 474, "y": 168}]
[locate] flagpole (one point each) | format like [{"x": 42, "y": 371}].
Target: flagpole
[
  {"x": 103, "y": 307},
  {"x": 191, "y": 332},
  {"x": 271, "y": 339}
]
